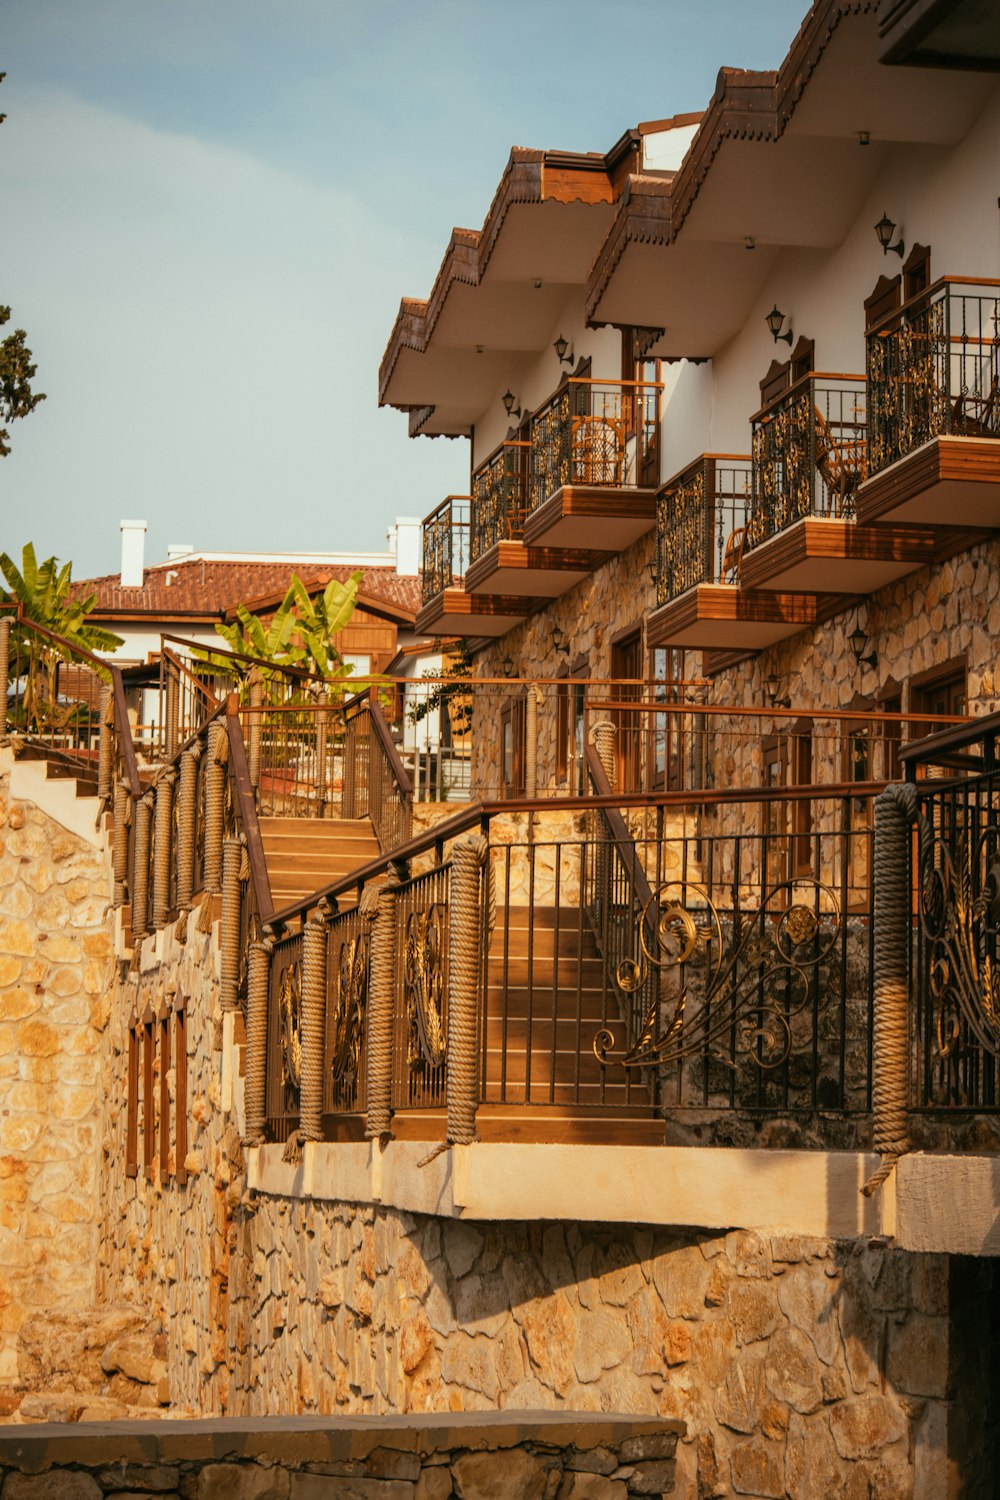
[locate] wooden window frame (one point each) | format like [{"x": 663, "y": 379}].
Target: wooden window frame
[
  {"x": 148, "y": 1026},
  {"x": 132, "y": 1101},
  {"x": 801, "y": 765},
  {"x": 180, "y": 1092},
  {"x": 513, "y": 719},
  {"x": 164, "y": 1093}
]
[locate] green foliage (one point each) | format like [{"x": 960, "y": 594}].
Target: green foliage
[
  {"x": 17, "y": 399},
  {"x": 452, "y": 693},
  {"x": 302, "y": 629},
  {"x": 44, "y": 592}
]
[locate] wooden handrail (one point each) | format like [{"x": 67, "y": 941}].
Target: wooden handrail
[
  {"x": 733, "y": 710},
  {"x": 923, "y": 751},
  {"x": 797, "y": 388},
  {"x": 480, "y": 815},
  {"x": 248, "y": 810},
  {"x": 198, "y": 685},
  {"x": 625, "y": 843},
  {"x": 399, "y": 772},
  {"x": 221, "y": 654}
]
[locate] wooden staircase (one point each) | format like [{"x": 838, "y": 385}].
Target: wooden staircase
[
  {"x": 548, "y": 995},
  {"x": 305, "y": 854}
]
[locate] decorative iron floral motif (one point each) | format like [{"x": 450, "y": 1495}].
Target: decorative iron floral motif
[
  {"x": 349, "y": 1007},
  {"x": 498, "y": 501},
  {"x": 740, "y": 973},
  {"x": 960, "y": 920},
  {"x": 423, "y": 981},
  {"x": 290, "y": 1020}
]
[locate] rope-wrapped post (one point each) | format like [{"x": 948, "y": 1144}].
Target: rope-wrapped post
[
  {"x": 314, "y": 949},
  {"x": 172, "y": 712},
  {"x": 143, "y": 814},
  {"x": 187, "y": 833},
  {"x": 123, "y": 810},
  {"x": 255, "y": 679},
  {"x": 895, "y": 811},
  {"x": 603, "y": 735},
  {"x": 258, "y": 990},
  {"x": 381, "y": 1011},
  {"x": 162, "y": 848},
  {"x": 232, "y": 859},
  {"x": 105, "y": 747},
  {"x": 4, "y": 673},
  {"x": 531, "y": 744},
  {"x": 215, "y": 808},
  {"x": 470, "y": 861},
  {"x": 322, "y": 720}
]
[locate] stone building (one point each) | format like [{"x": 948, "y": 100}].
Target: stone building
[{"x": 660, "y": 1081}]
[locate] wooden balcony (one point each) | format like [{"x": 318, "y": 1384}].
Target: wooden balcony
[
  {"x": 725, "y": 617},
  {"x": 594, "y": 465},
  {"x": 530, "y": 573},
  {"x": 934, "y": 409},
  {"x": 454, "y": 612}
]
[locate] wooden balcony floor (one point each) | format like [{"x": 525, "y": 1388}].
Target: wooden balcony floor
[
  {"x": 454, "y": 612},
  {"x": 541, "y": 572},
  {"x": 722, "y": 617},
  {"x": 822, "y": 555},
  {"x": 592, "y": 516},
  {"x": 950, "y": 481}
]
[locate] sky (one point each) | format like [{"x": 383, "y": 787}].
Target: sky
[{"x": 209, "y": 210}]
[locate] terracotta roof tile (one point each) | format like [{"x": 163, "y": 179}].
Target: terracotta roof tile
[{"x": 206, "y": 587}]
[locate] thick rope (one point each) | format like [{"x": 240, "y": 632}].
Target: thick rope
[
  {"x": 602, "y": 736},
  {"x": 895, "y": 811},
  {"x": 105, "y": 751},
  {"x": 258, "y": 994},
  {"x": 231, "y": 893},
  {"x": 381, "y": 1010},
  {"x": 162, "y": 848},
  {"x": 187, "y": 832},
  {"x": 314, "y": 947},
  {"x": 4, "y": 675},
  {"x": 215, "y": 807},
  {"x": 140, "y": 878},
  {"x": 172, "y": 713},
  {"x": 470, "y": 865},
  {"x": 255, "y": 680},
  {"x": 531, "y": 744},
  {"x": 119, "y": 856}
]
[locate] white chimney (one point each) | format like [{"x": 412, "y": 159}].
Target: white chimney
[
  {"x": 404, "y": 540},
  {"x": 178, "y": 549},
  {"x": 133, "y": 545}
]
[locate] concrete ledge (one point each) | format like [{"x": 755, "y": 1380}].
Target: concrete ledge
[
  {"x": 948, "y": 1203},
  {"x": 814, "y": 1193},
  {"x": 297, "y": 1441},
  {"x": 56, "y": 797}
]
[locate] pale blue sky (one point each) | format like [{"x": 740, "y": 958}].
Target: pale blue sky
[{"x": 212, "y": 207}]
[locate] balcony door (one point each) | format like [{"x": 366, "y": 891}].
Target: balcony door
[{"x": 626, "y": 664}]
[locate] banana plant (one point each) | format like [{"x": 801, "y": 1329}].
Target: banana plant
[{"x": 44, "y": 591}]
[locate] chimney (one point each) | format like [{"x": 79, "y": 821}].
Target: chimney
[
  {"x": 133, "y": 545},
  {"x": 404, "y": 540},
  {"x": 178, "y": 549}
]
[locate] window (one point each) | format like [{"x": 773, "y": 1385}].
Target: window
[
  {"x": 940, "y": 691},
  {"x": 774, "y": 862},
  {"x": 667, "y": 672},
  {"x": 626, "y": 664},
  {"x": 512, "y": 737},
  {"x": 801, "y": 760}
]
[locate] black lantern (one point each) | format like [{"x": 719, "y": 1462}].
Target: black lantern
[
  {"x": 774, "y": 320},
  {"x": 510, "y": 403},
  {"x": 858, "y": 640},
  {"x": 560, "y": 346},
  {"x": 885, "y": 229}
]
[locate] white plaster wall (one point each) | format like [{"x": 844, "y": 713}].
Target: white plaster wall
[
  {"x": 942, "y": 197},
  {"x": 540, "y": 377},
  {"x": 664, "y": 150}
]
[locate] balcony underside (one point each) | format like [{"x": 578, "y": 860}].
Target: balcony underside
[
  {"x": 721, "y": 617},
  {"x": 828, "y": 555},
  {"x": 454, "y": 612},
  {"x": 518, "y": 571},
  {"x": 950, "y": 481},
  {"x": 592, "y": 516}
]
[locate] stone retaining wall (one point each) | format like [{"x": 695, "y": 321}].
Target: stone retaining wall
[
  {"x": 539, "y": 1457},
  {"x": 55, "y": 961}
]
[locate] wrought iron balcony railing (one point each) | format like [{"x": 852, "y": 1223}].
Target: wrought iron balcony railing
[
  {"x": 445, "y": 535},
  {"x": 810, "y": 454},
  {"x": 500, "y": 497},
  {"x": 934, "y": 369},
  {"x": 701, "y": 517},
  {"x": 595, "y": 432}
]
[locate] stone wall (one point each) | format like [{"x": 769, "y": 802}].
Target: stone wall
[
  {"x": 538, "y": 1458},
  {"x": 55, "y": 959}
]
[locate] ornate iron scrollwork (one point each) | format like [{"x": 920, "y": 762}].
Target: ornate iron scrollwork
[
  {"x": 349, "y": 1009},
  {"x": 739, "y": 971},
  {"x": 290, "y": 1017},
  {"x": 960, "y": 919},
  {"x": 423, "y": 979}
]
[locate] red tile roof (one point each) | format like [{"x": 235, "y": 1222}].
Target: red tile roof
[{"x": 201, "y": 586}]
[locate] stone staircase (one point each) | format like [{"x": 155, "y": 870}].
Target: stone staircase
[{"x": 305, "y": 854}]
